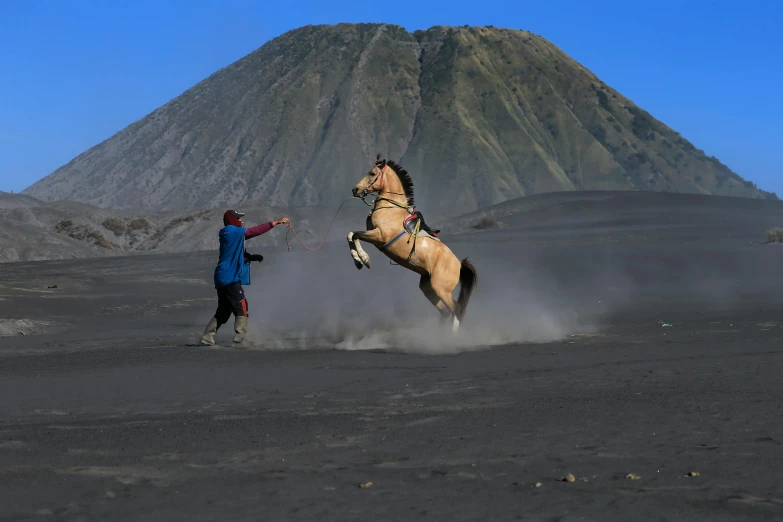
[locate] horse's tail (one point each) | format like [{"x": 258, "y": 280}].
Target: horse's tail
[{"x": 468, "y": 277}]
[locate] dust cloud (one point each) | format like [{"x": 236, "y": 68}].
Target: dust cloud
[
  {"x": 312, "y": 300},
  {"x": 529, "y": 291},
  {"x": 537, "y": 284}
]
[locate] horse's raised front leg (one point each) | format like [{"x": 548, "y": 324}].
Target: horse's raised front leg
[
  {"x": 354, "y": 252},
  {"x": 360, "y": 257}
]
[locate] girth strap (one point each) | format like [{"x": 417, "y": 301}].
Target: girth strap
[{"x": 390, "y": 243}]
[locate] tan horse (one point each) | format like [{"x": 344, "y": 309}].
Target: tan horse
[{"x": 414, "y": 249}]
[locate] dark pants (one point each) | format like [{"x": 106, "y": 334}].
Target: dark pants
[{"x": 231, "y": 299}]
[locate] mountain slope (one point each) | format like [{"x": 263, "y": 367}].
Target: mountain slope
[
  {"x": 507, "y": 114},
  {"x": 11, "y": 200},
  {"x": 69, "y": 230},
  {"x": 477, "y": 115}
]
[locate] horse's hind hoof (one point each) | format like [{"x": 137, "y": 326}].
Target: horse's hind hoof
[{"x": 359, "y": 264}]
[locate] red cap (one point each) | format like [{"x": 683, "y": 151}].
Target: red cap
[{"x": 232, "y": 217}]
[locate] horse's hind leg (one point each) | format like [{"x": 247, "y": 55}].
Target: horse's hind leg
[
  {"x": 425, "y": 285},
  {"x": 443, "y": 284}
]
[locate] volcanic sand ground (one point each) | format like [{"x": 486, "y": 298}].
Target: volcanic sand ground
[{"x": 108, "y": 411}]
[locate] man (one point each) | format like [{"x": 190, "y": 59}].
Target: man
[{"x": 232, "y": 271}]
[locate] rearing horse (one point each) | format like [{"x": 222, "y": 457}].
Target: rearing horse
[{"x": 418, "y": 251}]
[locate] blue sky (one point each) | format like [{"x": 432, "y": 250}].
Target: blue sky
[{"x": 74, "y": 73}]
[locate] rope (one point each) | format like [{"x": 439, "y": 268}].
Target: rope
[
  {"x": 291, "y": 229},
  {"x": 395, "y": 203}
]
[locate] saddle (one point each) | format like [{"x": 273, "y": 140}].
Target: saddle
[{"x": 424, "y": 230}]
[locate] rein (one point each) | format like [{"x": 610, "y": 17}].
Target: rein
[
  {"x": 379, "y": 177},
  {"x": 291, "y": 228},
  {"x": 395, "y": 203}
]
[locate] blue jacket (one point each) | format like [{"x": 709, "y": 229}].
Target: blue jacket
[{"x": 232, "y": 266}]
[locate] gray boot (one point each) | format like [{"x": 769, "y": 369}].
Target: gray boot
[
  {"x": 240, "y": 327},
  {"x": 208, "y": 339}
]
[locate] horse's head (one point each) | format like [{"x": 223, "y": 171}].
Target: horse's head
[{"x": 372, "y": 181}]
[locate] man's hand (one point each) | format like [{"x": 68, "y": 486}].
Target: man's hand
[{"x": 282, "y": 221}]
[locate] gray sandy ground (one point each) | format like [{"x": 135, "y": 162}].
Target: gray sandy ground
[{"x": 108, "y": 411}]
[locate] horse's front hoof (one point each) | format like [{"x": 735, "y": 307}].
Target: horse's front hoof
[{"x": 356, "y": 259}]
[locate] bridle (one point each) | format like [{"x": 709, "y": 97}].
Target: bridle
[{"x": 379, "y": 179}]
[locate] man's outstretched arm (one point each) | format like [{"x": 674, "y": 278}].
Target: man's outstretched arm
[{"x": 265, "y": 227}]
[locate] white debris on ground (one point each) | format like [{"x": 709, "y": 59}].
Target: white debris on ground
[{"x": 13, "y": 327}]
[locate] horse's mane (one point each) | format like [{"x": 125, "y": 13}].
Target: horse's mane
[{"x": 405, "y": 179}]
